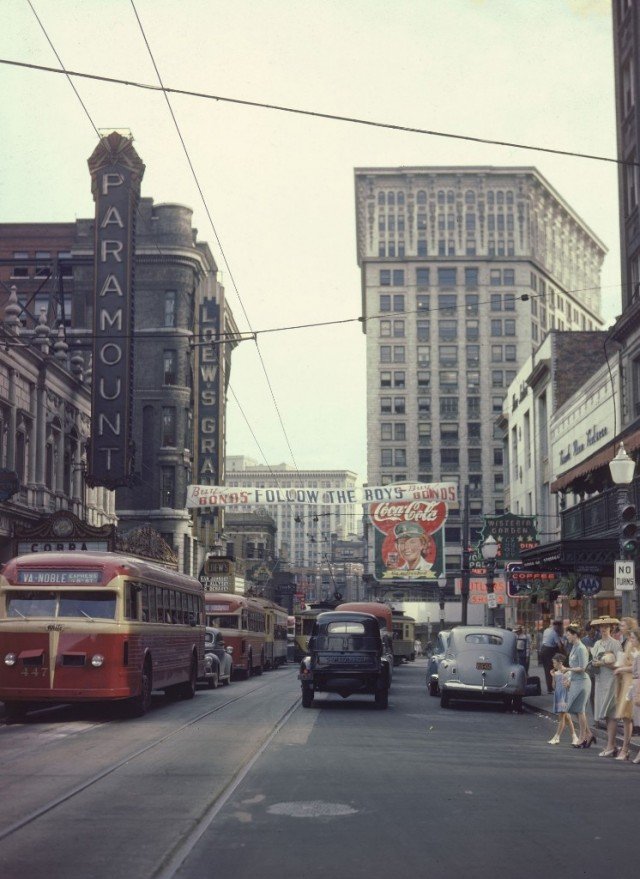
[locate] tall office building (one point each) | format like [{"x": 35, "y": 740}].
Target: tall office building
[{"x": 464, "y": 271}]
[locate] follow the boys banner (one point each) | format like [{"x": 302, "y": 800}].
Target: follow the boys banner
[{"x": 229, "y": 496}]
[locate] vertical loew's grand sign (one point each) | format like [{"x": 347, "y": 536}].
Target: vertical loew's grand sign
[{"x": 116, "y": 174}]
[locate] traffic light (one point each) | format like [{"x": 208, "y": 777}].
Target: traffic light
[{"x": 629, "y": 536}]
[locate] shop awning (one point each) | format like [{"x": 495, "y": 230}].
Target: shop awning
[{"x": 598, "y": 460}]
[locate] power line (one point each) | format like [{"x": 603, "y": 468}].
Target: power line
[
  {"x": 215, "y": 232},
  {"x": 334, "y": 117}
]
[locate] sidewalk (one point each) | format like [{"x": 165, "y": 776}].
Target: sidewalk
[{"x": 543, "y": 704}]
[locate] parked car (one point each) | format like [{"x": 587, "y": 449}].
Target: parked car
[
  {"x": 218, "y": 662},
  {"x": 481, "y": 663},
  {"x": 434, "y": 662},
  {"x": 346, "y": 656}
]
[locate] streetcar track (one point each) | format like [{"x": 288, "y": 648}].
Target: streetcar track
[
  {"x": 182, "y": 851},
  {"x": 109, "y": 770}
]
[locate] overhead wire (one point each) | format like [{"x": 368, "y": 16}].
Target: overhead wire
[
  {"x": 333, "y": 117},
  {"x": 215, "y": 232}
]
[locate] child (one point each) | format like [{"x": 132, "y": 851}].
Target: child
[{"x": 561, "y": 677}]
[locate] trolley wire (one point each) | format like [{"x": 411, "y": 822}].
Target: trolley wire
[{"x": 333, "y": 117}]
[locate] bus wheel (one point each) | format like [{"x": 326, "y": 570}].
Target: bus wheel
[
  {"x": 307, "y": 697},
  {"x": 188, "y": 689},
  {"x": 140, "y": 704},
  {"x": 16, "y": 712}
]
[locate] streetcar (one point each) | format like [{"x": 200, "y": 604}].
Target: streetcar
[
  {"x": 404, "y": 637},
  {"x": 97, "y": 626},
  {"x": 242, "y": 620},
  {"x": 275, "y": 642}
]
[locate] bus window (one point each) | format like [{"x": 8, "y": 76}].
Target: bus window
[
  {"x": 144, "y": 602},
  {"x": 88, "y": 604},
  {"x": 131, "y": 600},
  {"x": 31, "y": 604}
]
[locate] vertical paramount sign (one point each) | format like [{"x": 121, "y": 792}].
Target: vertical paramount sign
[{"x": 116, "y": 173}]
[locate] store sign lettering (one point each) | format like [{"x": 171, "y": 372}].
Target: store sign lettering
[{"x": 577, "y": 447}]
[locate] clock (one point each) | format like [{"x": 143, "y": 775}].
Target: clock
[{"x": 62, "y": 527}]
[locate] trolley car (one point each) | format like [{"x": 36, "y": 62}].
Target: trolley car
[
  {"x": 404, "y": 637},
  {"x": 96, "y": 626}
]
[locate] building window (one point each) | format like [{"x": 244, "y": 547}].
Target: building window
[
  {"x": 169, "y": 367},
  {"x": 495, "y": 277},
  {"x": 448, "y": 355},
  {"x": 496, "y": 353},
  {"x": 473, "y": 355},
  {"x": 422, "y": 302},
  {"x": 473, "y": 330},
  {"x": 400, "y": 432},
  {"x": 422, "y": 248},
  {"x": 385, "y": 302},
  {"x": 473, "y": 407},
  {"x": 424, "y": 379},
  {"x": 475, "y": 459},
  {"x": 43, "y": 267},
  {"x": 385, "y": 277},
  {"x": 447, "y": 305},
  {"x": 422, "y": 328},
  {"x": 509, "y": 302},
  {"x": 385, "y": 353},
  {"x": 471, "y": 301},
  {"x": 398, "y": 329},
  {"x": 447, "y": 330},
  {"x": 448, "y": 407},
  {"x": 449, "y": 381},
  {"x": 508, "y": 277},
  {"x": 168, "y": 426},
  {"x": 398, "y": 353},
  {"x": 424, "y": 405},
  {"x": 447, "y": 277},
  {"x": 386, "y": 430},
  {"x": 496, "y": 302},
  {"x": 473, "y": 381},
  {"x": 471, "y": 278},
  {"x": 399, "y": 405},
  {"x": 497, "y": 378},
  {"x": 386, "y": 457},
  {"x": 510, "y": 353},
  {"x": 385, "y": 328},
  {"x": 170, "y": 308},
  {"x": 399, "y": 380},
  {"x": 496, "y": 327},
  {"x": 167, "y": 487},
  {"x": 400, "y": 457},
  {"x": 398, "y": 302},
  {"x": 509, "y": 328},
  {"x": 385, "y": 379},
  {"x": 397, "y": 277},
  {"x": 385, "y": 405},
  {"x": 422, "y": 277},
  {"x": 424, "y": 355},
  {"x": 20, "y": 271},
  {"x": 496, "y": 405},
  {"x": 473, "y": 430}
]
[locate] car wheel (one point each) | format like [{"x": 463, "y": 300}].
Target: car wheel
[
  {"x": 445, "y": 699},
  {"x": 307, "y": 697},
  {"x": 517, "y": 704},
  {"x": 382, "y": 698},
  {"x": 434, "y": 689}
]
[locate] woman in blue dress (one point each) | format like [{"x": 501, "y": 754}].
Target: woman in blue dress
[{"x": 579, "y": 688}]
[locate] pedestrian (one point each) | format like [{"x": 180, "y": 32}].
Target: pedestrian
[
  {"x": 592, "y": 636},
  {"x": 551, "y": 644},
  {"x": 523, "y": 647},
  {"x": 561, "y": 676},
  {"x": 417, "y": 647},
  {"x": 635, "y": 696},
  {"x": 624, "y": 682},
  {"x": 603, "y": 660},
  {"x": 579, "y": 686}
]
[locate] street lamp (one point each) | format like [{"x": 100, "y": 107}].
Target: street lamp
[
  {"x": 622, "y": 468},
  {"x": 442, "y": 585},
  {"x": 489, "y": 552}
]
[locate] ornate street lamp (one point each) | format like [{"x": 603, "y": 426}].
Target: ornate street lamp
[
  {"x": 489, "y": 552},
  {"x": 442, "y": 585},
  {"x": 622, "y": 468}
]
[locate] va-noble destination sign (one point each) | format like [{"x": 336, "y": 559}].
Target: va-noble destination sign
[{"x": 229, "y": 496}]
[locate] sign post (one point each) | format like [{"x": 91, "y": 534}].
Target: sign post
[{"x": 625, "y": 575}]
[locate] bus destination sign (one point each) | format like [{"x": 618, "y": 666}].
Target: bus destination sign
[{"x": 53, "y": 575}]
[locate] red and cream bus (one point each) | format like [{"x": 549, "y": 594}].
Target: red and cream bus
[
  {"x": 275, "y": 644},
  {"x": 242, "y": 620},
  {"x": 84, "y": 626}
]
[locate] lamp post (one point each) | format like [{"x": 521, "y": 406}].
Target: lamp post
[
  {"x": 622, "y": 468},
  {"x": 489, "y": 553},
  {"x": 442, "y": 585}
]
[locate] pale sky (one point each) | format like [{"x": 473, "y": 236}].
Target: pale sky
[{"x": 280, "y": 187}]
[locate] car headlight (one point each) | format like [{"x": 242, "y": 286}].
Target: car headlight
[
  {"x": 97, "y": 660},
  {"x": 10, "y": 659}
]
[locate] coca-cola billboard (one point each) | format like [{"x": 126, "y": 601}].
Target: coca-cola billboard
[{"x": 409, "y": 539}]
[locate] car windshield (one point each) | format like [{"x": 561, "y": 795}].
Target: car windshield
[
  {"x": 483, "y": 638},
  {"x": 31, "y": 604}
]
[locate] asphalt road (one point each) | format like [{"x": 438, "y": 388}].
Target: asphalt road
[{"x": 242, "y": 781}]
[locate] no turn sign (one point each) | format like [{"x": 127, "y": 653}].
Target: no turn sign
[{"x": 625, "y": 579}]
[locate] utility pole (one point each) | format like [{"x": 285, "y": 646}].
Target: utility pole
[{"x": 465, "y": 571}]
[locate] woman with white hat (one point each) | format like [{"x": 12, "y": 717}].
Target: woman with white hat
[{"x": 604, "y": 653}]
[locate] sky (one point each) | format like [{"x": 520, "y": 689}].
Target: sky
[{"x": 279, "y": 187}]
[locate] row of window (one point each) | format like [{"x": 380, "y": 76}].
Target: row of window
[
  {"x": 447, "y": 247},
  {"x": 43, "y": 267},
  {"x": 159, "y": 604},
  {"x": 449, "y": 457},
  {"x": 447, "y": 332},
  {"x": 447, "y": 277},
  {"x": 500, "y": 197},
  {"x": 446, "y": 223}
]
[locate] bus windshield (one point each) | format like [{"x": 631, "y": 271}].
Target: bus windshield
[
  {"x": 223, "y": 622},
  {"x": 66, "y": 604}
]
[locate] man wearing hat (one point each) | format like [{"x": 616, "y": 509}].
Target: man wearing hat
[{"x": 412, "y": 543}]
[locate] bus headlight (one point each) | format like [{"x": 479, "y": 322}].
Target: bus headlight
[
  {"x": 10, "y": 659},
  {"x": 97, "y": 660}
]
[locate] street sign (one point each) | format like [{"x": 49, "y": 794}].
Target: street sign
[
  {"x": 492, "y": 600},
  {"x": 625, "y": 579}
]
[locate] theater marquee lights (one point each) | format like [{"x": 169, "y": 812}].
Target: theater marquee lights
[{"x": 116, "y": 174}]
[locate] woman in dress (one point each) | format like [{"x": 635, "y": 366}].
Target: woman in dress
[
  {"x": 635, "y": 673},
  {"x": 624, "y": 681},
  {"x": 579, "y": 688},
  {"x": 604, "y": 653},
  {"x": 560, "y": 677}
]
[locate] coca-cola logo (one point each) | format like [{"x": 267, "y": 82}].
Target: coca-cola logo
[{"x": 430, "y": 515}]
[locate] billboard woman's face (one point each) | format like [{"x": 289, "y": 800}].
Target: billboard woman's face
[{"x": 410, "y": 548}]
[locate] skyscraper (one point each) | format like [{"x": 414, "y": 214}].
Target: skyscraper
[{"x": 464, "y": 271}]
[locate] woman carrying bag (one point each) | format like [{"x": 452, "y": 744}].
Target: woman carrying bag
[{"x": 604, "y": 653}]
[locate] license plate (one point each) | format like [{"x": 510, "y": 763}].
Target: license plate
[{"x": 483, "y": 666}]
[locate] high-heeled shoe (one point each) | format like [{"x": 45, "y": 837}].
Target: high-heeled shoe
[
  {"x": 623, "y": 755},
  {"x": 612, "y": 753},
  {"x": 575, "y": 742},
  {"x": 590, "y": 741},
  {"x": 636, "y": 759},
  {"x": 555, "y": 740}
]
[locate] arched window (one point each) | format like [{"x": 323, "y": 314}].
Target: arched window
[
  {"x": 509, "y": 196},
  {"x": 391, "y": 198},
  {"x": 450, "y": 196},
  {"x": 469, "y": 196},
  {"x": 400, "y": 200},
  {"x": 422, "y": 196},
  {"x": 381, "y": 198},
  {"x": 500, "y": 197},
  {"x": 441, "y": 196}
]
